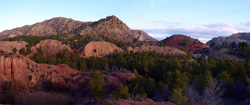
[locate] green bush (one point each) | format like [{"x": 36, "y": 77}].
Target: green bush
[
  {"x": 96, "y": 85},
  {"x": 14, "y": 49},
  {"x": 177, "y": 96},
  {"x": 121, "y": 92}
]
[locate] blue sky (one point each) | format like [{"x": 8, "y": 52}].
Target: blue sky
[{"x": 202, "y": 19}]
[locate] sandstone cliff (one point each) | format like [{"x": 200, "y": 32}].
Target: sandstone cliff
[{"x": 17, "y": 67}]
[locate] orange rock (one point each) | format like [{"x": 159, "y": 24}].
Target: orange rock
[{"x": 99, "y": 48}]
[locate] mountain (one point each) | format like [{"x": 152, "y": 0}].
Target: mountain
[
  {"x": 111, "y": 27},
  {"x": 190, "y": 44},
  {"x": 143, "y": 36},
  {"x": 238, "y": 37},
  {"x": 54, "y": 26}
]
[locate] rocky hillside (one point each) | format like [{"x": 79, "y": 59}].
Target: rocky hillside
[
  {"x": 111, "y": 26},
  {"x": 54, "y": 26},
  {"x": 93, "y": 48},
  {"x": 17, "y": 67},
  {"x": 165, "y": 50},
  {"x": 141, "y": 35},
  {"x": 239, "y": 37},
  {"x": 20, "y": 68},
  {"x": 102, "y": 48},
  {"x": 190, "y": 44},
  {"x": 51, "y": 47},
  {"x": 7, "y": 46}
]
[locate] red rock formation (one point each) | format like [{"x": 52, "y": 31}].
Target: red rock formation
[
  {"x": 51, "y": 47},
  {"x": 21, "y": 68},
  {"x": 7, "y": 46},
  {"x": 186, "y": 42},
  {"x": 18, "y": 67},
  {"x": 99, "y": 48}
]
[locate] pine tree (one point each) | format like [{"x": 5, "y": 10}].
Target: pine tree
[
  {"x": 14, "y": 49},
  {"x": 96, "y": 85}
]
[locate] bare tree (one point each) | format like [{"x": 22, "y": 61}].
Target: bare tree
[{"x": 211, "y": 94}]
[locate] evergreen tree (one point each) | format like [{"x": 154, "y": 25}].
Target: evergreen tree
[
  {"x": 14, "y": 49},
  {"x": 121, "y": 92},
  {"x": 177, "y": 96},
  {"x": 96, "y": 85}
]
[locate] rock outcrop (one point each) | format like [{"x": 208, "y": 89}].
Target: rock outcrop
[
  {"x": 190, "y": 44},
  {"x": 99, "y": 48},
  {"x": 165, "y": 50},
  {"x": 7, "y": 46},
  {"x": 141, "y": 36},
  {"x": 51, "y": 47},
  {"x": 18, "y": 67},
  {"x": 238, "y": 37},
  {"x": 102, "y": 48},
  {"x": 21, "y": 68},
  {"x": 111, "y": 27}
]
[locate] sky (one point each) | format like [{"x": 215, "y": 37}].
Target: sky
[{"x": 200, "y": 19}]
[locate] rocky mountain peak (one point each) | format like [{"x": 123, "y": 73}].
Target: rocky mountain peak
[{"x": 111, "y": 27}]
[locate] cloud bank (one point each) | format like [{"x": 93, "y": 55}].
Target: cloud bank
[{"x": 162, "y": 29}]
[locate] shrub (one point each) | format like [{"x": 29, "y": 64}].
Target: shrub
[
  {"x": 177, "y": 96},
  {"x": 14, "y": 49},
  {"x": 121, "y": 92},
  {"x": 96, "y": 85}
]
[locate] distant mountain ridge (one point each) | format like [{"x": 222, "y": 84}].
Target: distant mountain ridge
[
  {"x": 238, "y": 37},
  {"x": 110, "y": 26}
]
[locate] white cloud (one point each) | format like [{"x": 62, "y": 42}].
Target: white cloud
[
  {"x": 203, "y": 33},
  {"x": 204, "y": 40},
  {"x": 162, "y": 29},
  {"x": 156, "y": 25},
  {"x": 218, "y": 25}
]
